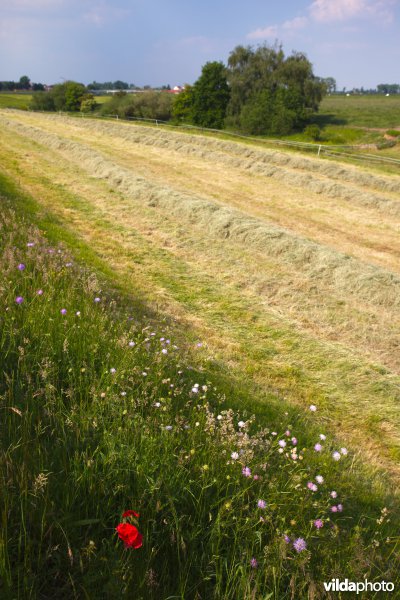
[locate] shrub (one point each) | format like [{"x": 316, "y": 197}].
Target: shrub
[{"x": 313, "y": 132}]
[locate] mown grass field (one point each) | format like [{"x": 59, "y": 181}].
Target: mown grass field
[{"x": 285, "y": 269}]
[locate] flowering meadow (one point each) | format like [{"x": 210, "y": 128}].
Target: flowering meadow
[{"x": 126, "y": 472}]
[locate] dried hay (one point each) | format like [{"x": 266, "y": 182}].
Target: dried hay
[{"x": 347, "y": 276}]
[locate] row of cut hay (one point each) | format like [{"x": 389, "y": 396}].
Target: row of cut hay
[
  {"x": 179, "y": 141},
  {"x": 346, "y": 275},
  {"x": 288, "y": 169},
  {"x": 294, "y": 171}
]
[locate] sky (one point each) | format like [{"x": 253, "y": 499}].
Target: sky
[{"x": 160, "y": 42}]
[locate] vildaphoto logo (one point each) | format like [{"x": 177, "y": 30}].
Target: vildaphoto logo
[{"x": 335, "y": 585}]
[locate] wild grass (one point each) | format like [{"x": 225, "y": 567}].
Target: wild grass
[{"x": 102, "y": 412}]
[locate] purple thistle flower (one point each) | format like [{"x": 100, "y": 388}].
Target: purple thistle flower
[
  {"x": 318, "y": 523},
  {"x": 334, "y": 509},
  {"x": 21, "y": 267},
  {"x": 340, "y": 507},
  {"x": 19, "y": 299},
  {"x": 246, "y": 471},
  {"x": 253, "y": 563},
  {"x": 317, "y": 447},
  {"x": 63, "y": 311},
  {"x": 294, "y": 441},
  {"x": 287, "y": 539},
  {"x": 299, "y": 545},
  {"x": 261, "y": 504},
  {"x": 39, "y": 292}
]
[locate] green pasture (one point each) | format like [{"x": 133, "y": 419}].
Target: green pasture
[
  {"x": 370, "y": 111},
  {"x": 15, "y": 100}
]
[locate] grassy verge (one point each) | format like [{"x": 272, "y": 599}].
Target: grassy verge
[{"x": 102, "y": 412}]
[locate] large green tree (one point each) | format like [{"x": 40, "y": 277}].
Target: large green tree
[
  {"x": 211, "y": 96},
  {"x": 271, "y": 93}
]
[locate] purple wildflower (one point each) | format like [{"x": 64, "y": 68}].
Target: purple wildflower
[
  {"x": 317, "y": 447},
  {"x": 313, "y": 408},
  {"x": 19, "y": 299},
  {"x": 340, "y": 507},
  {"x": 39, "y": 292},
  {"x": 246, "y": 471},
  {"x": 318, "y": 523},
  {"x": 299, "y": 545},
  {"x": 261, "y": 504},
  {"x": 21, "y": 267},
  {"x": 253, "y": 563},
  {"x": 294, "y": 441},
  {"x": 63, "y": 311},
  {"x": 97, "y": 299},
  {"x": 287, "y": 539},
  {"x": 282, "y": 443},
  {"x": 334, "y": 494},
  {"x": 334, "y": 509},
  {"x": 336, "y": 456}
]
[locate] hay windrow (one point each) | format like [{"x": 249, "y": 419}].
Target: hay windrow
[
  {"x": 292, "y": 170},
  {"x": 349, "y": 277}
]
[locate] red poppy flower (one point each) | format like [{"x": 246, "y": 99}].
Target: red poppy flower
[
  {"x": 129, "y": 513},
  {"x": 130, "y": 535}
]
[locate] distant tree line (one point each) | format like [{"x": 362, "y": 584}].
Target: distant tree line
[
  {"x": 260, "y": 92},
  {"x": 24, "y": 84}
]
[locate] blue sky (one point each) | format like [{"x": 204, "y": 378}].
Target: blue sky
[{"x": 157, "y": 42}]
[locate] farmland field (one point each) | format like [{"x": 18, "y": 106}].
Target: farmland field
[
  {"x": 285, "y": 268},
  {"x": 374, "y": 111},
  {"x": 249, "y": 237}
]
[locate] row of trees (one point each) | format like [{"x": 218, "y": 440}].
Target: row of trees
[
  {"x": 24, "y": 84},
  {"x": 260, "y": 91}
]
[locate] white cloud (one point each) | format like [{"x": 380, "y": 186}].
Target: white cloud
[
  {"x": 326, "y": 11},
  {"x": 263, "y": 33}
]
